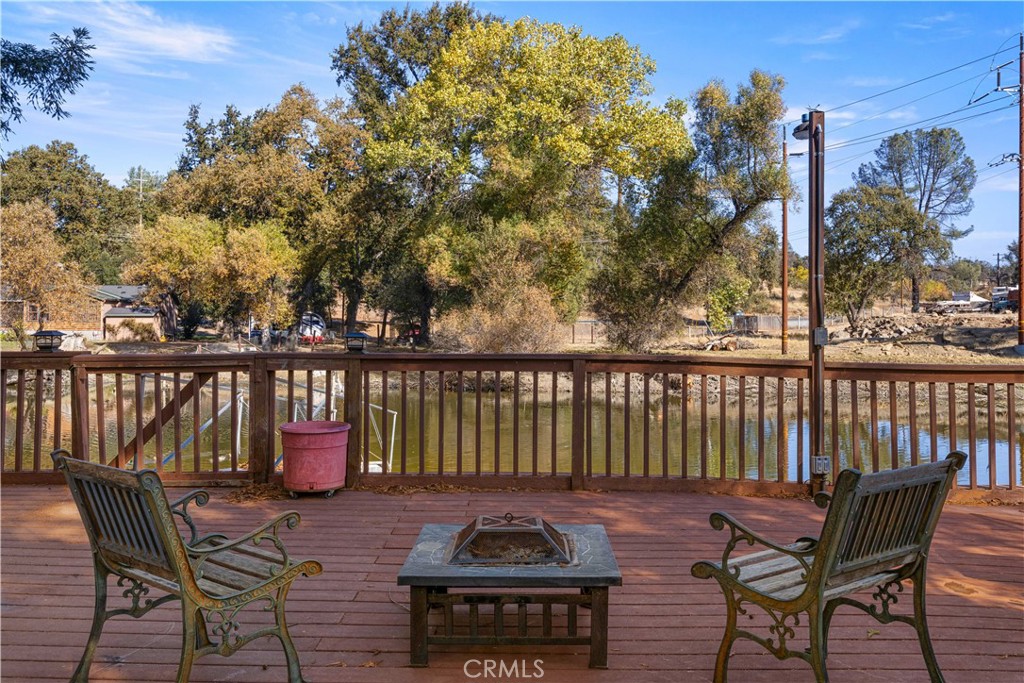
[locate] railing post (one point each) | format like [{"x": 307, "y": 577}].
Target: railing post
[
  {"x": 578, "y": 448},
  {"x": 260, "y": 439},
  {"x": 354, "y": 416},
  {"x": 79, "y": 412}
]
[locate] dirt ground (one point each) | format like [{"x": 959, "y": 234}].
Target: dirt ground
[{"x": 964, "y": 338}]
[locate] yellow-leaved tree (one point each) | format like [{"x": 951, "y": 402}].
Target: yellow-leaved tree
[
  {"x": 34, "y": 267},
  {"x": 258, "y": 267},
  {"x": 529, "y": 123},
  {"x": 180, "y": 258}
]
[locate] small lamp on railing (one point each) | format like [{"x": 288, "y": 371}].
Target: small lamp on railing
[
  {"x": 48, "y": 340},
  {"x": 355, "y": 342}
]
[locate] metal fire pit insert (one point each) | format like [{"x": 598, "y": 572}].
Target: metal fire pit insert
[{"x": 509, "y": 540}]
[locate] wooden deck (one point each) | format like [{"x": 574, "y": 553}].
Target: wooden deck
[{"x": 351, "y": 624}]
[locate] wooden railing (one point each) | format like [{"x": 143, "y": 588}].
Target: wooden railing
[{"x": 546, "y": 421}]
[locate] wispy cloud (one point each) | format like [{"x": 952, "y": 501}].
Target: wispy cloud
[
  {"x": 928, "y": 23},
  {"x": 819, "y": 56},
  {"x": 818, "y": 35},
  {"x": 871, "y": 81},
  {"x": 136, "y": 39}
]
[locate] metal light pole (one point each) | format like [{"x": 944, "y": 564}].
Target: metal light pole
[
  {"x": 812, "y": 129},
  {"x": 785, "y": 251}
]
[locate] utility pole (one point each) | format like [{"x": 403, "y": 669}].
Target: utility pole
[
  {"x": 1020, "y": 199},
  {"x": 785, "y": 251},
  {"x": 812, "y": 129},
  {"x": 1019, "y": 89},
  {"x": 998, "y": 268}
]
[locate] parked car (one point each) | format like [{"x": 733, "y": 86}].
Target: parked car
[{"x": 1000, "y": 305}]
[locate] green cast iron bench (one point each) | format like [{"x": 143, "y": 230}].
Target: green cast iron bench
[
  {"x": 876, "y": 535},
  {"x": 133, "y": 535}
]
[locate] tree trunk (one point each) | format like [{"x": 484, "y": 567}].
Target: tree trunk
[
  {"x": 353, "y": 296},
  {"x": 915, "y": 293},
  {"x": 426, "y": 306},
  {"x": 424, "y": 335},
  {"x": 383, "y": 329}
]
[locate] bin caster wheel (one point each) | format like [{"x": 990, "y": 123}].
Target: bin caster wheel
[
  {"x": 293, "y": 494},
  {"x": 329, "y": 494}
]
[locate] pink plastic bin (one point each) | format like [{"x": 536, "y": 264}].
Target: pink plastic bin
[{"x": 315, "y": 454}]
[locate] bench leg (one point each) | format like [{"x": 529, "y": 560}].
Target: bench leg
[
  {"x": 189, "y": 634},
  {"x": 99, "y": 616},
  {"x": 921, "y": 626},
  {"x": 722, "y": 661},
  {"x": 816, "y": 623},
  {"x": 290, "y": 654},
  {"x": 826, "y": 624}
]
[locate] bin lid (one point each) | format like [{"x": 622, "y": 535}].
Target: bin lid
[{"x": 315, "y": 427}]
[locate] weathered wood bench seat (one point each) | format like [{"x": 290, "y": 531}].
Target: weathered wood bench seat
[
  {"x": 134, "y": 536},
  {"x": 876, "y": 535}
]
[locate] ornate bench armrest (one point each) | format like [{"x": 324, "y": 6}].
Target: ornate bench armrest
[
  {"x": 267, "y": 532},
  {"x": 180, "y": 508},
  {"x": 802, "y": 549}
]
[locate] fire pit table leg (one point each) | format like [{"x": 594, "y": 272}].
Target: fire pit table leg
[
  {"x": 418, "y": 609},
  {"x": 599, "y": 628}
]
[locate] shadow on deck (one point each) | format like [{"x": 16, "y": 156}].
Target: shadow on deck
[{"x": 351, "y": 624}]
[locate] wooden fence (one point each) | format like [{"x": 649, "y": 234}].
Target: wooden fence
[{"x": 544, "y": 421}]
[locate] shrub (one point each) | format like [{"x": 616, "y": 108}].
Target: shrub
[
  {"x": 526, "y": 323},
  {"x": 133, "y": 330},
  {"x": 759, "y": 302},
  {"x": 723, "y": 302},
  {"x": 933, "y": 290}
]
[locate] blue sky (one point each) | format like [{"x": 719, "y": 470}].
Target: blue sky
[{"x": 155, "y": 59}]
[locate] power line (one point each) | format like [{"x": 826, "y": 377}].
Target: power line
[
  {"x": 905, "y": 126},
  {"x": 802, "y": 175},
  {"x": 904, "y": 104},
  {"x": 994, "y": 175},
  {"x": 921, "y": 80},
  {"x": 881, "y": 135}
]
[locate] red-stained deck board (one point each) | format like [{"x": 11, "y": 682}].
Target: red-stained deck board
[{"x": 351, "y": 623}]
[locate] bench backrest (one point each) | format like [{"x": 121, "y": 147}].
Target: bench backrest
[
  {"x": 882, "y": 521},
  {"x": 127, "y": 517}
]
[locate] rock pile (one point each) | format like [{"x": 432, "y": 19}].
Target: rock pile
[{"x": 884, "y": 328}]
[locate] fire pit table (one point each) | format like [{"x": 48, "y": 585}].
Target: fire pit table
[{"x": 492, "y": 574}]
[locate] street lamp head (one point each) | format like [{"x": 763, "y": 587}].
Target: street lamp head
[{"x": 803, "y": 131}]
